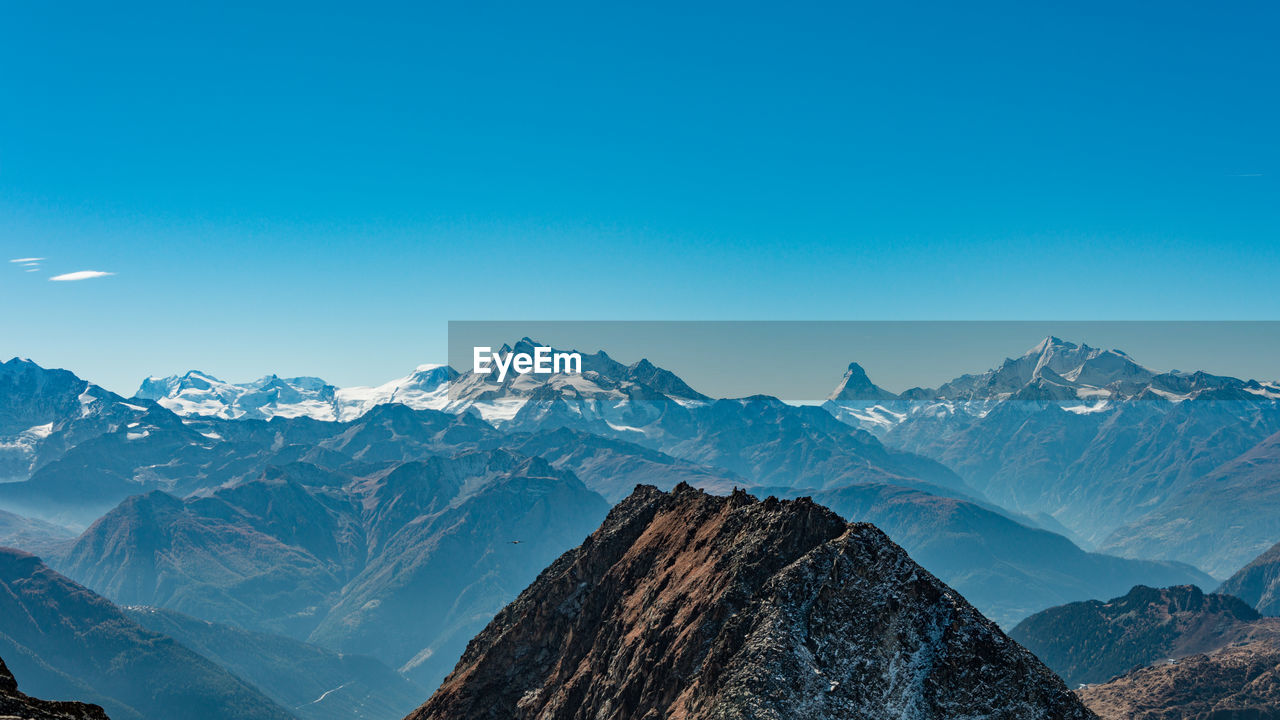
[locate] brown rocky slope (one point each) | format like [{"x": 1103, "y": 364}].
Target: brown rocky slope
[
  {"x": 1240, "y": 682},
  {"x": 686, "y": 606}
]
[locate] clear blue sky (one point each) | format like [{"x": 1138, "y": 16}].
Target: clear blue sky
[{"x": 317, "y": 189}]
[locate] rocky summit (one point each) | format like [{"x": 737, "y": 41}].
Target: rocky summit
[{"x": 687, "y": 606}]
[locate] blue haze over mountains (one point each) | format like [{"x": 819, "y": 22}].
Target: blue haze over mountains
[{"x": 392, "y": 522}]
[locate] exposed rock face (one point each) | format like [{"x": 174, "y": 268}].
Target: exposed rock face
[
  {"x": 685, "y": 606},
  {"x": 1093, "y": 641},
  {"x": 1258, "y": 583},
  {"x": 14, "y": 704},
  {"x": 1235, "y": 683}
]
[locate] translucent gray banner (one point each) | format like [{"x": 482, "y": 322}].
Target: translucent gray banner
[{"x": 802, "y": 362}]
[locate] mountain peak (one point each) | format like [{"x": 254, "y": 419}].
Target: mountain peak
[
  {"x": 1050, "y": 343},
  {"x": 696, "y": 606},
  {"x": 857, "y": 386}
]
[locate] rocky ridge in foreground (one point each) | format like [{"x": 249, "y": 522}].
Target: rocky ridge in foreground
[{"x": 694, "y": 607}]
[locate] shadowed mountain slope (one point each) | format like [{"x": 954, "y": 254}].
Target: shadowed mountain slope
[
  {"x": 1258, "y": 583},
  {"x": 314, "y": 683},
  {"x": 66, "y": 642},
  {"x": 404, "y": 563}
]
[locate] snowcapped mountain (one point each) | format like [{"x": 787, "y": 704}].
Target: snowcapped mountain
[
  {"x": 607, "y": 396},
  {"x": 1063, "y": 370},
  {"x": 426, "y": 388},
  {"x": 1077, "y": 378},
  {"x": 199, "y": 393},
  {"x": 1085, "y": 435},
  {"x": 44, "y": 412},
  {"x": 762, "y": 440},
  {"x": 606, "y": 391},
  {"x": 862, "y": 403}
]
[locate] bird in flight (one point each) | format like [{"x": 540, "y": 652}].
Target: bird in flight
[{"x": 516, "y": 542}]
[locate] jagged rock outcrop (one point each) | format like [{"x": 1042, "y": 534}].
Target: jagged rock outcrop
[
  {"x": 14, "y": 704},
  {"x": 686, "y": 606}
]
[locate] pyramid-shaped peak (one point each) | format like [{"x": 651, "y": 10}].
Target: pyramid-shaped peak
[{"x": 856, "y": 386}]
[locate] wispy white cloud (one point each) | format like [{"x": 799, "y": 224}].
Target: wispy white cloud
[
  {"x": 26, "y": 260},
  {"x": 1246, "y": 174},
  {"x": 80, "y": 275}
]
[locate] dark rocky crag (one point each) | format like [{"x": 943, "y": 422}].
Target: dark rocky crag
[
  {"x": 685, "y": 606},
  {"x": 14, "y": 704},
  {"x": 1093, "y": 641}
]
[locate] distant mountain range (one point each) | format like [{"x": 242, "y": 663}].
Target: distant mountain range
[
  {"x": 756, "y": 442},
  {"x": 66, "y": 642},
  {"x": 197, "y": 393},
  {"x": 287, "y": 518},
  {"x": 1128, "y": 460},
  {"x": 404, "y": 564},
  {"x": 1131, "y": 461},
  {"x": 310, "y": 681},
  {"x": 696, "y": 606},
  {"x": 761, "y": 440}
]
